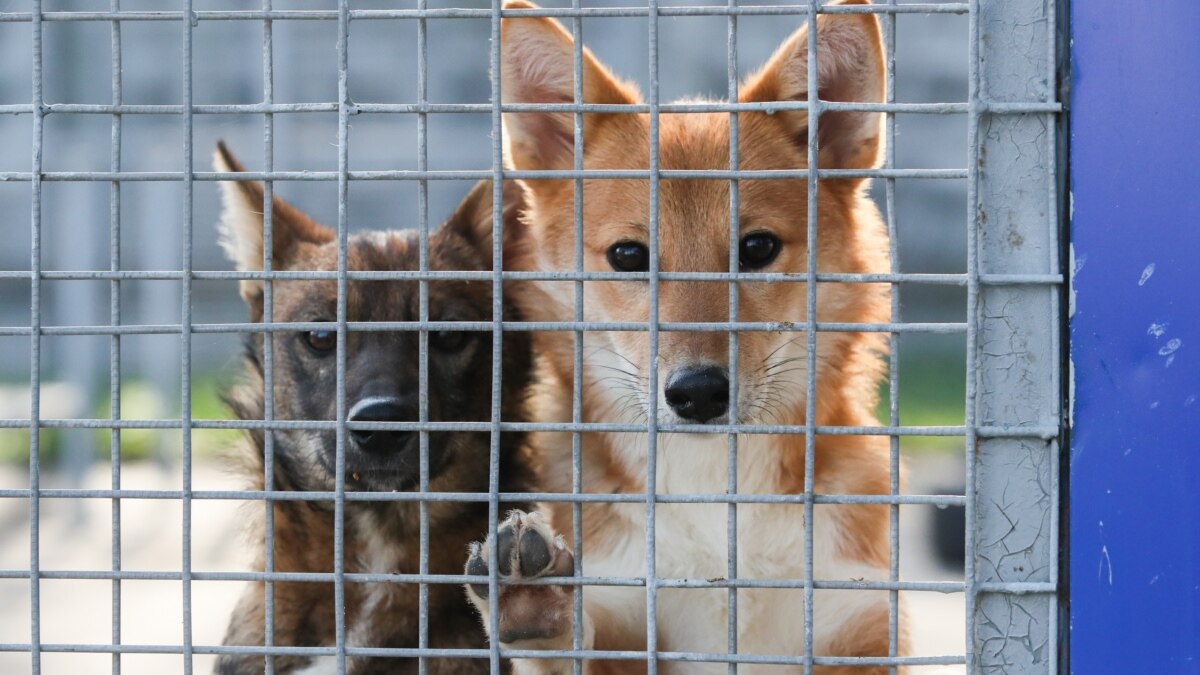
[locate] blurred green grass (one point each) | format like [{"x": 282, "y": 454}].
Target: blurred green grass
[
  {"x": 932, "y": 393},
  {"x": 139, "y": 401}
]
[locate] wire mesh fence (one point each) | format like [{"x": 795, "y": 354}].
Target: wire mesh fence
[{"x": 1008, "y": 328}]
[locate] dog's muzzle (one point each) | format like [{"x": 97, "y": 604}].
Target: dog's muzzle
[
  {"x": 699, "y": 394},
  {"x": 381, "y": 409}
]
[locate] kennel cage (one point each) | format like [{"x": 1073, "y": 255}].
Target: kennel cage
[{"x": 1010, "y": 325}]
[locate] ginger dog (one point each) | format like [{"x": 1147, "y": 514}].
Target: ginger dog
[{"x": 693, "y": 368}]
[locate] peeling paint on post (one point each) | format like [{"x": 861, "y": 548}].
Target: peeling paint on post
[
  {"x": 1135, "y": 338},
  {"x": 1017, "y": 351}
]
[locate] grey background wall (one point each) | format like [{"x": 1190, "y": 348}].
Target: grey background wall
[{"x": 931, "y": 55}]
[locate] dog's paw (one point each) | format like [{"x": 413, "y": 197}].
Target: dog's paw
[{"x": 527, "y": 549}]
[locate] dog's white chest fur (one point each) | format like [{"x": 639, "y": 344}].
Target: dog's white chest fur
[
  {"x": 692, "y": 543},
  {"x": 378, "y": 556}
]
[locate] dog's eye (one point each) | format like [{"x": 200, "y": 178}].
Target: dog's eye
[
  {"x": 448, "y": 340},
  {"x": 629, "y": 256},
  {"x": 758, "y": 250},
  {"x": 321, "y": 342}
]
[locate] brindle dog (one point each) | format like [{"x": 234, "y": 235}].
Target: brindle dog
[{"x": 381, "y": 384}]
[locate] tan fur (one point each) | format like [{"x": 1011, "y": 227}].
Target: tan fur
[{"x": 693, "y": 227}]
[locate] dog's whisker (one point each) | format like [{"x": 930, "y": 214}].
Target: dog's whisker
[
  {"x": 602, "y": 348},
  {"x": 780, "y": 347}
]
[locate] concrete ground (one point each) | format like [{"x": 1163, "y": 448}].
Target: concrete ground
[{"x": 77, "y": 535}]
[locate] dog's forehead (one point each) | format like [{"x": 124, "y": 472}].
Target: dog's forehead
[
  {"x": 365, "y": 251},
  {"x": 701, "y": 142},
  {"x": 395, "y": 250},
  {"x": 694, "y": 212},
  {"x": 694, "y": 141}
]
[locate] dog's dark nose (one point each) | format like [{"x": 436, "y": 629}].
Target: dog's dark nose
[
  {"x": 378, "y": 409},
  {"x": 698, "y": 394}
]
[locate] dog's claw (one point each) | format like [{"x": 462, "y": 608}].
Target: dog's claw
[{"x": 478, "y": 567}]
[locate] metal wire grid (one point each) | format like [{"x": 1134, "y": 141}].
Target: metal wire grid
[{"x": 976, "y": 280}]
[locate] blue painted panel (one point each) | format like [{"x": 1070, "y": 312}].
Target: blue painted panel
[{"x": 1135, "y": 337}]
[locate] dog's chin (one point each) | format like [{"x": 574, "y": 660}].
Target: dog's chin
[
  {"x": 382, "y": 481},
  {"x": 393, "y": 470}
]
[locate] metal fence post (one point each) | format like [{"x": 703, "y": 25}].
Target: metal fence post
[{"x": 1013, "y": 354}]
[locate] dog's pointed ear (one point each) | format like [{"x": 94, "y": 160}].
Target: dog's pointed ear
[
  {"x": 473, "y": 223},
  {"x": 241, "y": 225},
  {"x": 537, "y": 66},
  {"x": 850, "y": 68}
]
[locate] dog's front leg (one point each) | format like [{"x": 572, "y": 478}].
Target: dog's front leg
[{"x": 532, "y": 617}]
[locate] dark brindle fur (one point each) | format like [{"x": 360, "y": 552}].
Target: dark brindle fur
[{"x": 380, "y": 537}]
